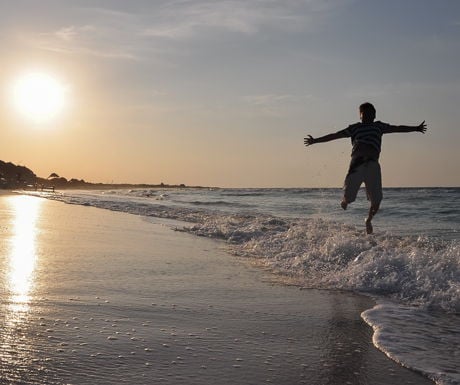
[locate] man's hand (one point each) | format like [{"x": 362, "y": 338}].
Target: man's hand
[
  {"x": 309, "y": 140},
  {"x": 422, "y": 127}
]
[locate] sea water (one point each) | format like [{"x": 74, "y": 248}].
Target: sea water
[{"x": 411, "y": 265}]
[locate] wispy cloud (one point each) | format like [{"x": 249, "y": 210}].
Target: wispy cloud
[
  {"x": 110, "y": 35},
  {"x": 67, "y": 33},
  {"x": 404, "y": 89},
  {"x": 268, "y": 99},
  {"x": 90, "y": 40},
  {"x": 123, "y": 34},
  {"x": 184, "y": 19},
  {"x": 272, "y": 105},
  {"x": 98, "y": 32},
  {"x": 187, "y": 18}
]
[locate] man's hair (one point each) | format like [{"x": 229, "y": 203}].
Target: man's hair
[{"x": 367, "y": 108}]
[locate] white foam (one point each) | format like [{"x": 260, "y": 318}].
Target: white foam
[
  {"x": 319, "y": 253},
  {"x": 423, "y": 341}
]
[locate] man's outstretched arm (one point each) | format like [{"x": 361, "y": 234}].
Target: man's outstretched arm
[
  {"x": 420, "y": 128},
  {"x": 309, "y": 140}
]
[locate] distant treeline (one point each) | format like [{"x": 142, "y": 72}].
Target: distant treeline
[
  {"x": 13, "y": 176},
  {"x": 20, "y": 177}
]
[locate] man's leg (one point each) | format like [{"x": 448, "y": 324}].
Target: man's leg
[
  {"x": 372, "y": 211},
  {"x": 373, "y": 182},
  {"x": 353, "y": 181}
]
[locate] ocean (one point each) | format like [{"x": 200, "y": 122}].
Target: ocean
[{"x": 410, "y": 266}]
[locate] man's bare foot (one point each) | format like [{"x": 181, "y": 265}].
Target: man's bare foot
[
  {"x": 369, "y": 228},
  {"x": 344, "y": 204}
]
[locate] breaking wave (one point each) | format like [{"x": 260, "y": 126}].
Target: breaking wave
[
  {"x": 326, "y": 254},
  {"x": 320, "y": 253}
]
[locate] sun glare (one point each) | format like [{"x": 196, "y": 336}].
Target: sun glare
[
  {"x": 23, "y": 249},
  {"x": 38, "y": 96}
]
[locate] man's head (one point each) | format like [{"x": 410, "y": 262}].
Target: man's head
[{"x": 367, "y": 112}]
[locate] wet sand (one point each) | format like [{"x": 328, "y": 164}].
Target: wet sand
[{"x": 90, "y": 296}]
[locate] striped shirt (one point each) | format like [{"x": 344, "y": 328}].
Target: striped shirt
[{"x": 366, "y": 137}]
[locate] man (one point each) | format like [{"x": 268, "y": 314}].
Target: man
[{"x": 366, "y": 138}]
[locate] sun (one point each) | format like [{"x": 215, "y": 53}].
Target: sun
[{"x": 38, "y": 96}]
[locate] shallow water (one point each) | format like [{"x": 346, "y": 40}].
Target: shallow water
[
  {"x": 303, "y": 236},
  {"x": 102, "y": 298},
  {"x": 400, "y": 331}
]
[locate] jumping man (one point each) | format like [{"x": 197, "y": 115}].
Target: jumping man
[{"x": 366, "y": 139}]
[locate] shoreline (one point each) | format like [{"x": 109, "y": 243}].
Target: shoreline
[{"x": 186, "y": 298}]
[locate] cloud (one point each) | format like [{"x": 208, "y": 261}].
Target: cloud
[
  {"x": 268, "y": 99},
  {"x": 66, "y": 34},
  {"x": 142, "y": 28},
  {"x": 90, "y": 40},
  {"x": 187, "y": 18},
  {"x": 271, "y": 105}
]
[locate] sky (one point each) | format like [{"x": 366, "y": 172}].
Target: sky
[{"x": 222, "y": 93}]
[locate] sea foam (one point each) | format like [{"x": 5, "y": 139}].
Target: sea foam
[
  {"x": 426, "y": 342},
  {"x": 327, "y": 254}
]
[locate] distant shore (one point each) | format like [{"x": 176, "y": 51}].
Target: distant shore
[
  {"x": 97, "y": 186},
  {"x": 14, "y": 176}
]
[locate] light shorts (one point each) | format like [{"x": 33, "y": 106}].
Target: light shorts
[{"x": 369, "y": 173}]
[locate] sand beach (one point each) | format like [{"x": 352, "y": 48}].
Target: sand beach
[{"x": 90, "y": 296}]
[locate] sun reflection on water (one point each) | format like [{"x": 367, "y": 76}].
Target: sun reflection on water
[
  {"x": 23, "y": 255},
  {"x": 17, "y": 350}
]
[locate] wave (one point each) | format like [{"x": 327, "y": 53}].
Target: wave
[
  {"x": 426, "y": 342},
  {"x": 141, "y": 193},
  {"x": 216, "y": 203},
  {"x": 326, "y": 254},
  {"x": 417, "y": 271},
  {"x": 243, "y": 194},
  {"x": 320, "y": 253},
  {"x": 148, "y": 193}
]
